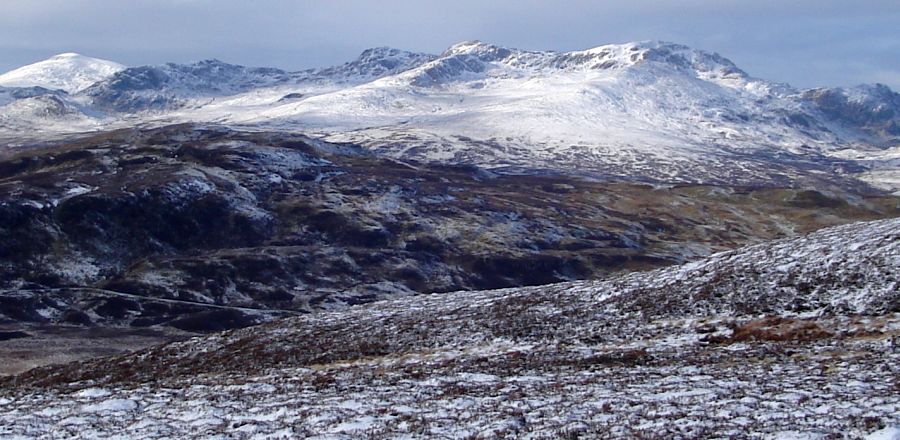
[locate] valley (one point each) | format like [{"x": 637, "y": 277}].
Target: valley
[{"x": 209, "y": 228}]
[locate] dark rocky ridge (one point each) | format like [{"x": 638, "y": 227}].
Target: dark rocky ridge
[
  {"x": 874, "y": 109},
  {"x": 158, "y": 226}
]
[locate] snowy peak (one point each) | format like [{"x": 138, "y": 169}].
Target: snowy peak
[
  {"x": 462, "y": 60},
  {"x": 375, "y": 63},
  {"x": 480, "y": 50},
  {"x": 202, "y": 76},
  {"x": 69, "y": 72},
  {"x": 218, "y": 77},
  {"x": 67, "y": 56},
  {"x": 704, "y": 65},
  {"x": 170, "y": 86}
]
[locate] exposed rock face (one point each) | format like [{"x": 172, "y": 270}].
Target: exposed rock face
[
  {"x": 164, "y": 87},
  {"x": 145, "y": 227},
  {"x": 374, "y": 63},
  {"x": 873, "y": 108}
]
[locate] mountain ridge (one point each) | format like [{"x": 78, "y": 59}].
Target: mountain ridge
[{"x": 652, "y": 111}]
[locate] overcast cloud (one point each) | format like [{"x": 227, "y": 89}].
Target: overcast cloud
[{"x": 806, "y": 43}]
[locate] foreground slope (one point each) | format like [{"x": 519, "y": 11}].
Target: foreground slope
[{"x": 788, "y": 338}]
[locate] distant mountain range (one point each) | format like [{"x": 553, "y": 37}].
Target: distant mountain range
[{"x": 647, "y": 111}]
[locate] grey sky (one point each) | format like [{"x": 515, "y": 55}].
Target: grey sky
[{"x": 803, "y": 42}]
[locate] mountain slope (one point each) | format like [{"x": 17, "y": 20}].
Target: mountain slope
[
  {"x": 163, "y": 87},
  {"x": 737, "y": 345},
  {"x": 69, "y": 72},
  {"x": 48, "y": 113}
]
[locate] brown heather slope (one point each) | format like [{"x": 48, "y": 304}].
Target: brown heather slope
[
  {"x": 150, "y": 227},
  {"x": 678, "y": 352}
]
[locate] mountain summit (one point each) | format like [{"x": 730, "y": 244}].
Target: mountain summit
[
  {"x": 477, "y": 57},
  {"x": 70, "y": 72}
]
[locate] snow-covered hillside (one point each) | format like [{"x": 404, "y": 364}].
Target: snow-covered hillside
[
  {"x": 649, "y": 111},
  {"x": 48, "y": 113},
  {"x": 789, "y": 339},
  {"x": 206, "y": 84},
  {"x": 656, "y": 111},
  {"x": 69, "y": 72}
]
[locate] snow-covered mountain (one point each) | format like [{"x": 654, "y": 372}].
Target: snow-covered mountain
[
  {"x": 649, "y": 111},
  {"x": 325, "y": 195},
  {"x": 40, "y": 100},
  {"x": 69, "y": 72},
  {"x": 788, "y": 339},
  {"x": 203, "y": 84},
  {"x": 656, "y": 111}
]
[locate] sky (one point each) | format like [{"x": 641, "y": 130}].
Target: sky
[{"x": 802, "y": 42}]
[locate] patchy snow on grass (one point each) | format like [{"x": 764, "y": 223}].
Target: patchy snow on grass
[{"x": 789, "y": 339}]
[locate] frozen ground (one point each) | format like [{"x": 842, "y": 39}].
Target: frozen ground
[
  {"x": 789, "y": 339},
  {"x": 758, "y": 390}
]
